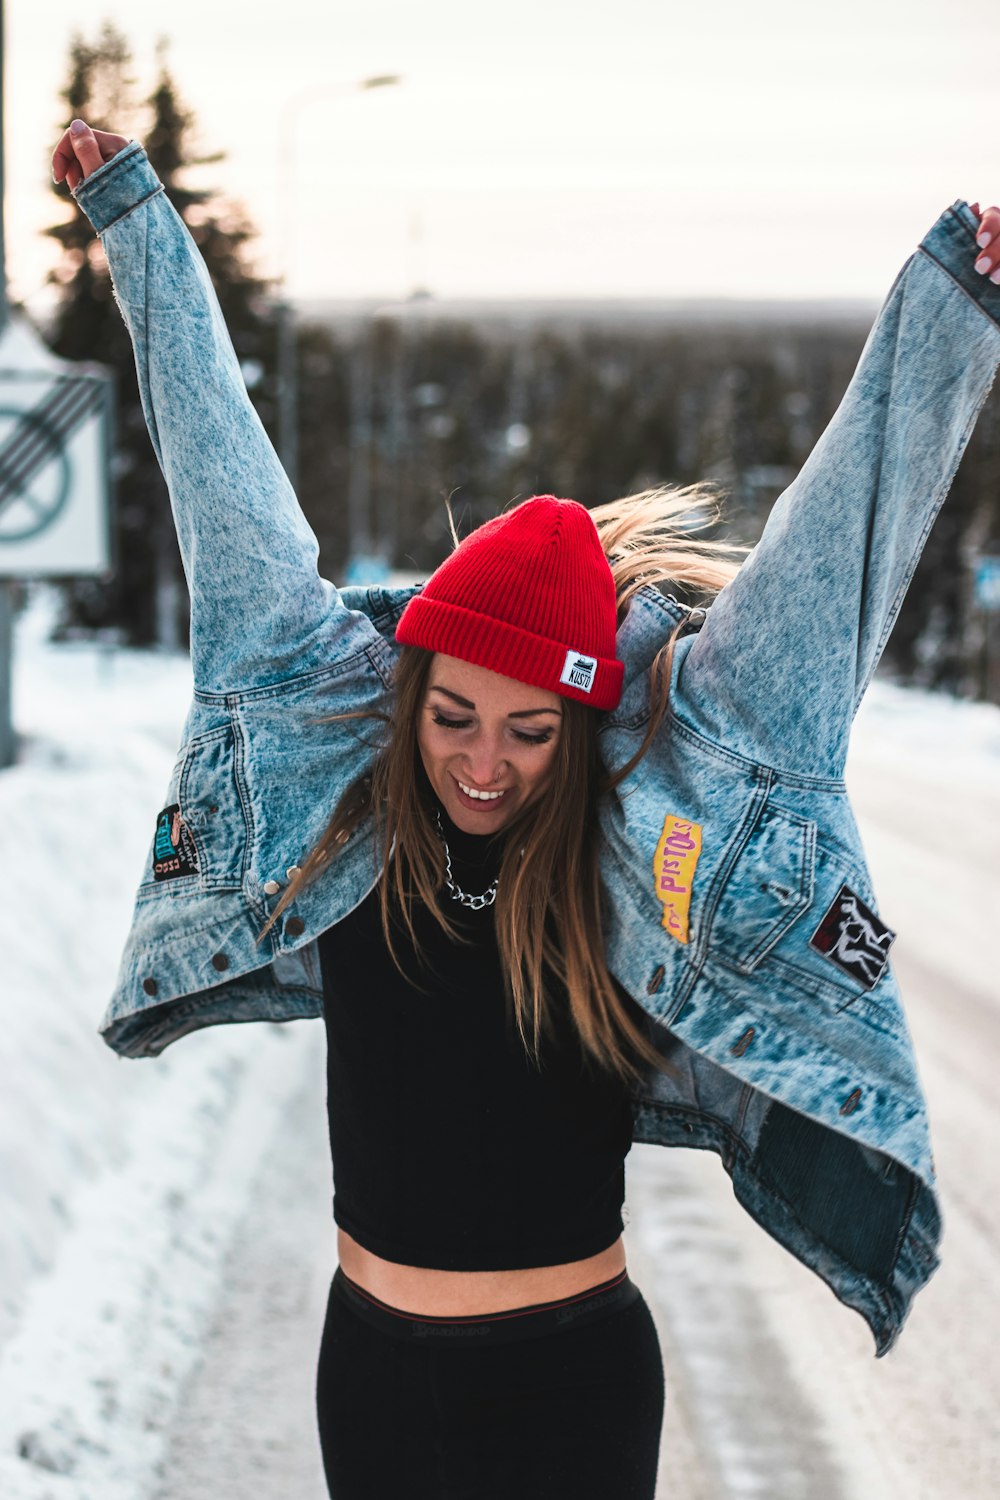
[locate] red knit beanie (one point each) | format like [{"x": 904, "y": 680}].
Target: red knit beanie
[{"x": 529, "y": 595}]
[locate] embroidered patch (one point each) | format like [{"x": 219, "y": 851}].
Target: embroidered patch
[
  {"x": 673, "y": 871},
  {"x": 174, "y": 849},
  {"x": 579, "y": 671},
  {"x": 854, "y": 938}
]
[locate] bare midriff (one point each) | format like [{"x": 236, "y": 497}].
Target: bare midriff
[{"x": 459, "y": 1294}]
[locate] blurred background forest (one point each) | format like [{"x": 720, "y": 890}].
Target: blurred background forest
[{"x": 382, "y": 412}]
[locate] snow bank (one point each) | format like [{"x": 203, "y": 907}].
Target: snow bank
[
  {"x": 122, "y": 1181},
  {"x": 950, "y": 740}
]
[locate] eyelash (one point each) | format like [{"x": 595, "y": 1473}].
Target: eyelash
[{"x": 527, "y": 739}]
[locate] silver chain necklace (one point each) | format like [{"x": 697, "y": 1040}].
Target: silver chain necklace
[{"x": 475, "y": 903}]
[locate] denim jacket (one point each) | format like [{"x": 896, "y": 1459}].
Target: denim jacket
[{"x": 740, "y": 913}]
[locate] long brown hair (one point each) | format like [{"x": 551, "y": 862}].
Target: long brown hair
[{"x": 549, "y": 901}]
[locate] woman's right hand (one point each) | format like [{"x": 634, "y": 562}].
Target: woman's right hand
[{"x": 81, "y": 151}]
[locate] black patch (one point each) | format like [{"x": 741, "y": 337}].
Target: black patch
[
  {"x": 859, "y": 1213},
  {"x": 174, "y": 850},
  {"x": 854, "y": 938}
]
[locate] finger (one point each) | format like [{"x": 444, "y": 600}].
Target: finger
[
  {"x": 110, "y": 143},
  {"x": 989, "y": 225},
  {"x": 988, "y": 244},
  {"x": 988, "y": 240},
  {"x": 85, "y": 147},
  {"x": 63, "y": 157}
]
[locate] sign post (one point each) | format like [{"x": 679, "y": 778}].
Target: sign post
[
  {"x": 55, "y": 446},
  {"x": 6, "y": 655}
]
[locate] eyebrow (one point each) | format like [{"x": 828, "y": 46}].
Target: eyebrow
[{"x": 522, "y": 713}]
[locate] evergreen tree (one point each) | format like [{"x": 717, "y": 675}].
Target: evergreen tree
[{"x": 146, "y": 600}]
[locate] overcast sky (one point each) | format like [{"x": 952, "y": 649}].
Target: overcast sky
[{"x": 554, "y": 147}]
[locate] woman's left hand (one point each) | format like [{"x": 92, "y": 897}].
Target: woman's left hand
[
  {"x": 81, "y": 151},
  {"x": 988, "y": 242}
]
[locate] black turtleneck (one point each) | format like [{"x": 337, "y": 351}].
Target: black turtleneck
[{"x": 450, "y": 1148}]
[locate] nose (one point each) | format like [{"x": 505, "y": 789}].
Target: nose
[{"x": 483, "y": 762}]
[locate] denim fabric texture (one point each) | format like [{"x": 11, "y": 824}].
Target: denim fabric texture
[{"x": 799, "y": 1074}]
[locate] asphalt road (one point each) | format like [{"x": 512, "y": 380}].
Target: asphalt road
[{"x": 773, "y": 1388}]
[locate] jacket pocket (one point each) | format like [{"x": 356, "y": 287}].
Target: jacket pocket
[
  {"x": 768, "y": 889},
  {"x": 202, "y": 833}
]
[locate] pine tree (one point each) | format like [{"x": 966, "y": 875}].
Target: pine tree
[{"x": 146, "y": 600}]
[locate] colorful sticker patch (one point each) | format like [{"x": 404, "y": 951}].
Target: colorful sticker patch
[
  {"x": 673, "y": 871},
  {"x": 174, "y": 850},
  {"x": 854, "y": 938}
]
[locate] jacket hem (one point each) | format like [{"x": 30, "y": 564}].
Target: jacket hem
[
  {"x": 147, "y": 1033},
  {"x": 884, "y": 1306}
]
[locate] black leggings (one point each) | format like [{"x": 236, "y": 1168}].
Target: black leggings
[{"x": 557, "y": 1401}]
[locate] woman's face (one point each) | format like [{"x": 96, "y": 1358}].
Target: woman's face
[{"x": 482, "y": 733}]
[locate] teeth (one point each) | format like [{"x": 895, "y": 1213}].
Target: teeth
[{"x": 481, "y": 796}]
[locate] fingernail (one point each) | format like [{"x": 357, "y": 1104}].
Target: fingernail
[
  {"x": 995, "y": 278},
  {"x": 984, "y": 239},
  {"x": 77, "y": 128},
  {"x": 982, "y": 264}
]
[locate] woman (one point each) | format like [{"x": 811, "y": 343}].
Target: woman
[{"x": 598, "y": 880}]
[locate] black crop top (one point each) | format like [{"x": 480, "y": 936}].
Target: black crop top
[{"x": 450, "y": 1148}]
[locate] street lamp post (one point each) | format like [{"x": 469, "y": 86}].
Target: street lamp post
[{"x": 288, "y": 119}]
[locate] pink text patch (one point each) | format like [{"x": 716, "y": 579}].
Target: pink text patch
[{"x": 673, "y": 871}]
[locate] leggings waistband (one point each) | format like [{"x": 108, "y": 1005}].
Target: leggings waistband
[{"x": 506, "y": 1327}]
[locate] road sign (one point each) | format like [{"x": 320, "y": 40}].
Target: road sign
[
  {"x": 55, "y": 420},
  {"x": 986, "y": 582}
]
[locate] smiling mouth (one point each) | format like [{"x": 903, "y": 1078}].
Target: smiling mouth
[{"x": 480, "y": 796}]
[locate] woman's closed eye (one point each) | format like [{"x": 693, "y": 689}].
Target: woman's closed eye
[
  {"x": 450, "y": 723},
  {"x": 540, "y": 738}
]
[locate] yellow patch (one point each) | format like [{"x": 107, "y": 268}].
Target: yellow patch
[{"x": 673, "y": 871}]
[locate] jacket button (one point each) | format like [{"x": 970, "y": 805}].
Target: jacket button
[
  {"x": 150, "y": 986},
  {"x": 656, "y": 981},
  {"x": 220, "y": 962},
  {"x": 292, "y": 871},
  {"x": 295, "y": 927},
  {"x": 272, "y": 887}
]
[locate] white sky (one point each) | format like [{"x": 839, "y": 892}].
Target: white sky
[{"x": 554, "y": 147}]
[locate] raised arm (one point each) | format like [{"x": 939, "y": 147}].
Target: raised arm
[
  {"x": 259, "y": 610},
  {"x": 790, "y": 644}
]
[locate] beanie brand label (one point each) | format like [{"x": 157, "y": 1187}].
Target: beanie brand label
[
  {"x": 674, "y": 864},
  {"x": 579, "y": 671}
]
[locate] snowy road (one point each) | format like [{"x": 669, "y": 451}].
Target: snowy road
[
  {"x": 166, "y": 1244},
  {"x": 773, "y": 1387},
  {"x": 245, "y": 1426}
]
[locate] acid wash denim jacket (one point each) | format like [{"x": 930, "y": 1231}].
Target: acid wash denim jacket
[{"x": 739, "y": 908}]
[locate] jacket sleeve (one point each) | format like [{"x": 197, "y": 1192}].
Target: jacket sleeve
[
  {"x": 789, "y": 646},
  {"x": 259, "y": 610}
]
